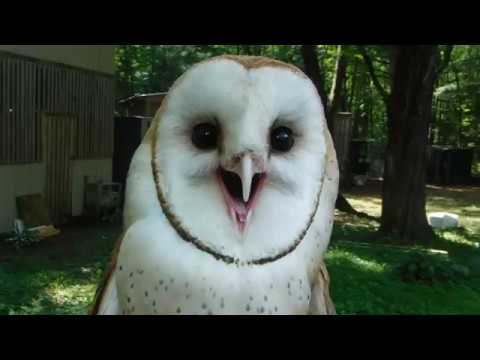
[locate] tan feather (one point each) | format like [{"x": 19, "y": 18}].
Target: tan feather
[{"x": 107, "y": 279}]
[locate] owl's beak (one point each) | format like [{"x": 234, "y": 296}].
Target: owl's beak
[
  {"x": 240, "y": 188},
  {"x": 246, "y": 175}
]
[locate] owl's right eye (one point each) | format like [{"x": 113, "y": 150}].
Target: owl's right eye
[{"x": 205, "y": 136}]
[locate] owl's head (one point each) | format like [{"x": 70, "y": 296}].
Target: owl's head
[{"x": 236, "y": 159}]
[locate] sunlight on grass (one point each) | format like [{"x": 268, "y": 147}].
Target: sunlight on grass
[
  {"x": 339, "y": 256},
  {"x": 363, "y": 281},
  {"x": 59, "y": 300},
  {"x": 362, "y": 264},
  {"x": 369, "y": 205},
  {"x": 75, "y": 294},
  {"x": 476, "y": 168},
  {"x": 458, "y": 238}
]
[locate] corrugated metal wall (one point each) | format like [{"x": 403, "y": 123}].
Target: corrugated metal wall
[{"x": 30, "y": 88}]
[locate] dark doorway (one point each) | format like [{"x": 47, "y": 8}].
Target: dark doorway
[{"x": 128, "y": 137}]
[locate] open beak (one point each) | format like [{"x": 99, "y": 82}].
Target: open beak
[
  {"x": 240, "y": 189},
  {"x": 246, "y": 175}
]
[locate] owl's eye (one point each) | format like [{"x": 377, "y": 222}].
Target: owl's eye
[
  {"x": 282, "y": 139},
  {"x": 205, "y": 136}
]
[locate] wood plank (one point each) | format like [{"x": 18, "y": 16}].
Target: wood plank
[
  {"x": 29, "y": 148},
  {"x": 23, "y": 130},
  {"x": 91, "y": 117},
  {"x": 98, "y": 121},
  {"x": 17, "y": 111},
  {"x": 26, "y": 143},
  {"x": 9, "y": 116},
  {"x": 84, "y": 121},
  {"x": 13, "y": 113},
  {"x": 30, "y": 106},
  {"x": 42, "y": 109},
  {"x": 91, "y": 120},
  {"x": 58, "y": 144},
  {"x": 74, "y": 95},
  {"x": 38, "y": 106},
  {"x": 3, "y": 122}
]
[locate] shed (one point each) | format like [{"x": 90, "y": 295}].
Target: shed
[
  {"x": 141, "y": 105},
  {"x": 56, "y": 124}
]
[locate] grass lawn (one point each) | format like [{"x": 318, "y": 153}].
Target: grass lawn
[
  {"x": 60, "y": 276},
  {"x": 363, "y": 276}
]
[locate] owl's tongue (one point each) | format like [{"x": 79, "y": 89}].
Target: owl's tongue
[
  {"x": 232, "y": 189},
  {"x": 239, "y": 211}
]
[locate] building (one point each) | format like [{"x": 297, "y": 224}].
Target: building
[
  {"x": 135, "y": 116},
  {"x": 56, "y": 124},
  {"x": 142, "y": 105}
]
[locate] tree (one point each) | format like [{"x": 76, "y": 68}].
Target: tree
[
  {"x": 332, "y": 102},
  {"x": 414, "y": 71}
]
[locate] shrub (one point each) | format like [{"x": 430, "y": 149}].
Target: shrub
[{"x": 430, "y": 269}]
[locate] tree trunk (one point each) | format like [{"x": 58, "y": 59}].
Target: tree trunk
[
  {"x": 336, "y": 94},
  {"x": 351, "y": 97},
  {"x": 315, "y": 72},
  {"x": 409, "y": 109}
]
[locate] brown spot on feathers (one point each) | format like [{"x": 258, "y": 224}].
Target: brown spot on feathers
[
  {"x": 257, "y": 62},
  {"x": 323, "y": 281}
]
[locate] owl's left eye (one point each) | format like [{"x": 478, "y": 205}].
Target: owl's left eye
[
  {"x": 205, "y": 136},
  {"x": 282, "y": 139}
]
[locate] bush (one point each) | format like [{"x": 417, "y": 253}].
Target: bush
[{"x": 431, "y": 269}]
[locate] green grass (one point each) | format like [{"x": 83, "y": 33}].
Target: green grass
[
  {"x": 476, "y": 168},
  {"x": 60, "y": 276},
  {"x": 364, "y": 281},
  {"x": 362, "y": 268}
]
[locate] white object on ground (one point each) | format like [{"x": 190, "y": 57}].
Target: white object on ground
[
  {"x": 443, "y": 220},
  {"x": 19, "y": 226}
]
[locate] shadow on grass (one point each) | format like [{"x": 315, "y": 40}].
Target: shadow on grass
[
  {"x": 363, "y": 281},
  {"x": 59, "y": 276},
  {"x": 459, "y": 243}
]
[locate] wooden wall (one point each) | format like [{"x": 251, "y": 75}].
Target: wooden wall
[
  {"x": 342, "y": 135},
  {"x": 30, "y": 88}
]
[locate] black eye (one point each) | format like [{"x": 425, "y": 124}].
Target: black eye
[
  {"x": 205, "y": 136},
  {"x": 282, "y": 139}
]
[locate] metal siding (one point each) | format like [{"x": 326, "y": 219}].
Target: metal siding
[{"x": 32, "y": 88}]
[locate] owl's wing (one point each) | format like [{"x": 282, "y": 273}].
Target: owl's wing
[
  {"x": 106, "y": 298},
  {"x": 321, "y": 303}
]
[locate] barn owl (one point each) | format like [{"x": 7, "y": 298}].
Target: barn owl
[{"x": 230, "y": 198}]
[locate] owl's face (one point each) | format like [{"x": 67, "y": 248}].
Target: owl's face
[{"x": 238, "y": 157}]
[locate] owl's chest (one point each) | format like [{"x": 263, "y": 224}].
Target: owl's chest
[
  {"x": 151, "y": 289},
  {"x": 169, "y": 276}
]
